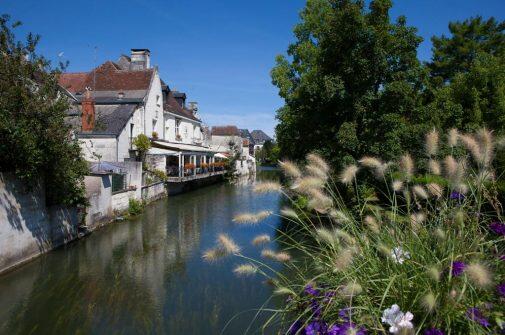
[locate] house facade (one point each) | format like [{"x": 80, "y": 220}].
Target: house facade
[
  {"x": 119, "y": 100},
  {"x": 229, "y": 141}
]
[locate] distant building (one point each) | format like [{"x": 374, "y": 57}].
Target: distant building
[
  {"x": 228, "y": 140},
  {"x": 245, "y": 134},
  {"x": 259, "y": 138}
]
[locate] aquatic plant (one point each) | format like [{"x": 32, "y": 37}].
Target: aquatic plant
[{"x": 426, "y": 239}]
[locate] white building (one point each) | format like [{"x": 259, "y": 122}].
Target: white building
[{"x": 228, "y": 141}]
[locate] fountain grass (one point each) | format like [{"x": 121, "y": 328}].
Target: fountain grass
[{"x": 416, "y": 255}]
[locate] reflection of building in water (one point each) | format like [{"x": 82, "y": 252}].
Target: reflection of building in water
[{"x": 112, "y": 270}]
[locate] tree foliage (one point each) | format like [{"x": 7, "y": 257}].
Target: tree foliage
[
  {"x": 353, "y": 85},
  {"x": 268, "y": 154},
  {"x": 35, "y": 143}
]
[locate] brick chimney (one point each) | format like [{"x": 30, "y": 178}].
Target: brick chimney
[{"x": 88, "y": 112}]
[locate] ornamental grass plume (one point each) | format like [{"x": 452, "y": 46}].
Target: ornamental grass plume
[
  {"x": 378, "y": 167},
  {"x": 212, "y": 255},
  {"x": 434, "y": 167},
  {"x": 473, "y": 147},
  {"x": 261, "y": 239},
  {"x": 228, "y": 245},
  {"x": 397, "y": 185},
  {"x": 317, "y": 160},
  {"x": 372, "y": 224},
  {"x": 432, "y": 142},
  {"x": 319, "y": 201},
  {"x": 307, "y": 184},
  {"x": 452, "y": 137},
  {"x": 343, "y": 259},
  {"x": 479, "y": 275},
  {"x": 250, "y": 218},
  {"x": 348, "y": 175},
  {"x": 487, "y": 145},
  {"x": 451, "y": 167},
  {"x": 316, "y": 171},
  {"x": 420, "y": 192},
  {"x": 435, "y": 190},
  {"x": 290, "y": 169},
  {"x": 407, "y": 166},
  {"x": 266, "y": 187},
  {"x": 429, "y": 302},
  {"x": 289, "y": 213},
  {"x": 245, "y": 270}
]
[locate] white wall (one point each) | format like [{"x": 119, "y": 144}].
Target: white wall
[
  {"x": 190, "y": 131},
  {"x": 27, "y": 227},
  {"x": 154, "y": 108},
  {"x": 221, "y": 143},
  {"x": 105, "y": 147}
]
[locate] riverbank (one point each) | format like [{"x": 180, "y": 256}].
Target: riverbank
[{"x": 145, "y": 275}]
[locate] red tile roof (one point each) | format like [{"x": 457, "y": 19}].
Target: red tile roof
[
  {"x": 225, "y": 131},
  {"x": 107, "y": 77}
]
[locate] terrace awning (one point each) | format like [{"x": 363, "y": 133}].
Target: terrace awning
[{"x": 181, "y": 148}]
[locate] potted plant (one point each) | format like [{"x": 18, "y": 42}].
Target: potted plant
[{"x": 154, "y": 135}]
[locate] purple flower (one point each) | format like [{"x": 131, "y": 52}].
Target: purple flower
[
  {"x": 502, "y": 258},
  {"x": 456, "y": 196},
  {"x": 316, "y": 308},
  {"x": 501, "y": 289},
  {"x": 457, "y": 268},
  {"x": 433, "y": 331},
  {"x": 310, "y": 290},
  {"x": 346, "y": 328},
  {"x": 316, "y": 328},
  {"x": 476, "y": 315},
  {"x": 295, "y": 327},
  {"x": 345, "y": 313},
  {"x": 498, "y": 228}
]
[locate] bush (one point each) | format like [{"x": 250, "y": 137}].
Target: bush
[
  {"x": 135, "y": 207},
  {"x": 427, "y": 260},
  {"x": 143, "y": 144}
]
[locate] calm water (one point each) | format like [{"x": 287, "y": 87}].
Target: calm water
[{"x": 146, "y": 276}]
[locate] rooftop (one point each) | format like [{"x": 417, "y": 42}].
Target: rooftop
[{"x": 225, "y": 131}]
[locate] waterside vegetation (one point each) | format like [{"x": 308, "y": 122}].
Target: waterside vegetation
[{"x": 420, "y": 252}]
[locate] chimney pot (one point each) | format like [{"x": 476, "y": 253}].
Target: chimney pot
[{"x": 88, "y": 112}]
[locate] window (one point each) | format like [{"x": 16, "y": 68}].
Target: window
[
  {"x": 158, "y": 101},
  {"x": 186, "y": 132},
  {"x": 118, "y": 182},
  {"x": 177, "y": 126},
  {"x": 154, "y": 125}
]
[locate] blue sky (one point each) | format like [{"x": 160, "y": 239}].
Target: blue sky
[{"x": 219, "y": 52}]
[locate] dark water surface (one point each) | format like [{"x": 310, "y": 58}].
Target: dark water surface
[{"x": 146, "y": 276}]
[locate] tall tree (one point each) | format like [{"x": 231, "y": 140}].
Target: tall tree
[
  {"x": 467, "y": 75},
  {"x": 469, "y": 40},
  {"x": 35, "y": 143},
  {"x": 351, "y": 82}
]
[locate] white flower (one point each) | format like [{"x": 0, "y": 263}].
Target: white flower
[
  {"x": 396, "y": 319},
  {"x": 399, "y": 256}
]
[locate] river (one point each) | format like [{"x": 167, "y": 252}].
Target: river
[{"x": 146, "y": 275}]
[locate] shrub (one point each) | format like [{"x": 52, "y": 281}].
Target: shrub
[
  {"x": 135, "y": 207},
  {"x": 426, "y": 260},
  {"x": 143, "y": 144}
]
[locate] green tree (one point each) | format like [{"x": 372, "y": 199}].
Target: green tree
[
  {"x": 467, "y": 76},
  {"x": 35, "y": 143},
  {"x": 351, "y": 82},
  {"x": 469, "y": 39}
]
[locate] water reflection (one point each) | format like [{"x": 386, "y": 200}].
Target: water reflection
[{"x": 145, "y": 276}]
